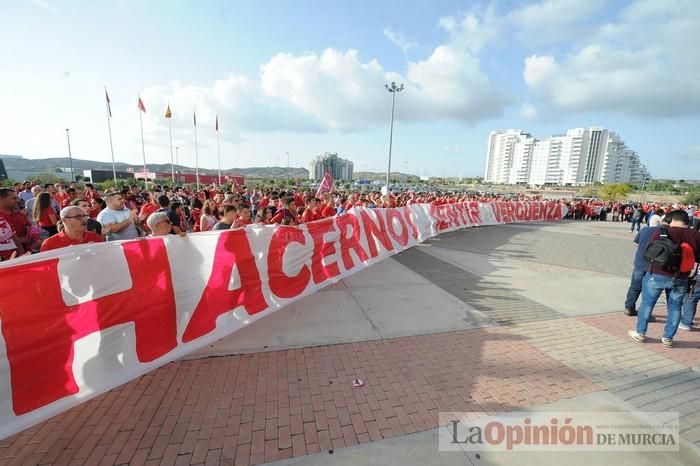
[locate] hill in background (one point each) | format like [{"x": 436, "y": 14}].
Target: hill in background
[{"x": 20, "y": 168}]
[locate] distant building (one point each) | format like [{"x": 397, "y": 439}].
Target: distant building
[
  {"x": 581, "y": 156},
  {"x": 100, "y": 176},
  {"x": 3, "y": 172},
  {"x": 341, "y": 169}
]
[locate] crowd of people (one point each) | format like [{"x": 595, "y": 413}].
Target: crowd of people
[
  {"x": 636, "y": 214},
  {"x": 35, "y": 217}
]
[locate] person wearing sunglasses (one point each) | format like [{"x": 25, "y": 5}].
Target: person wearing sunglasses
[
  {"x": 74, "y": 231},
  {"x": 159, "y": 224}
]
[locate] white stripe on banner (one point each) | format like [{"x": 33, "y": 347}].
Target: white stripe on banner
[{"x": 79, "y": 321}]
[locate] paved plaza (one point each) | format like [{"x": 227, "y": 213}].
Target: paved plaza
[{"x": 491, "y": 319}]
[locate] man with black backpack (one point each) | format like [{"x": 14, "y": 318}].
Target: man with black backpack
[
  {"x": 671, "y": 253},
  {"x": 639, "y": 269}
]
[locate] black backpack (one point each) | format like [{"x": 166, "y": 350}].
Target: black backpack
[{"x": 664, "y": 253}]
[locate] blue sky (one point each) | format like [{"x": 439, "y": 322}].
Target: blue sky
[{"x": 306, "y": 77}]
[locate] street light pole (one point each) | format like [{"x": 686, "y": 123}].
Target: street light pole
[
  {"x": 70, "y": 156},
  {"x": 288, "y": 176},
  {"x": 393, "y": 89},
  {"x": 644, "y": 181}
]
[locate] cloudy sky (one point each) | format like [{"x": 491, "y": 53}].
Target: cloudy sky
[{"x": 307, "y": 76}]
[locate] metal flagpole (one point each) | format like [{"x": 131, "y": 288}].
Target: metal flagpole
[
  {"x": 196, "y": 154},
  {"x": 172, "y": 159},
  {"x": 109, "y": 128},
  {"x": 218, "y": 147},
  {"x": 70, "y": 156},
  {"x": 143, "y": 150}
]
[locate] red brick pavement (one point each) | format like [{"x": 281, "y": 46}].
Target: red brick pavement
[
  {"x": 686, "y": 345},
  {"x": 262, "y": 407}
]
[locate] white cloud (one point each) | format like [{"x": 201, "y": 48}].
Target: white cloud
[
  {"x": 453, "y": 149},
  {"x": 539, "y": 23},
  {"x": 313, "y": 92},
  {"x": 551, "y": 21},
  {"x": 398, "y": 39},
  {"x": 646, "y": 65},
  {"x": 339, "y": 89},
  {"x": 528, "y": 111},
  {"x": 451, "y": 85},
  {"x": 474, "y": 30}
]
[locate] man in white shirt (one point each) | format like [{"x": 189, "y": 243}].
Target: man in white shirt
[
  {"x": 119, "y": 217},
  {"x": 26, "y": 192},
  {"x": 655, "y": 219}
]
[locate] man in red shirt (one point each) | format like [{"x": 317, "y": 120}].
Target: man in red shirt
[
  {"x": 10, "y": 244},
  {"x": 74, "y": 231},
  {"x": 90, "y": 192},
  {"x": 147, "y": 209},
  {"x": 59, "y": 194},
  {"x": 287, "y": 214},
  {"x": 328, "y": 209},
  {"x": 243, "y": 217},
  {"x": 72, "y": 194},
  {"x": 311, "y": 212}
]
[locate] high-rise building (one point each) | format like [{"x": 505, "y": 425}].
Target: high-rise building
[
  {"x": 581, "y": 156},
  {"x": 341, "y": 169},
  {"x": 500, "y": 157}
]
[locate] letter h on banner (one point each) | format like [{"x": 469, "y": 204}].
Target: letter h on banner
[{"x": 40, "y": 330}]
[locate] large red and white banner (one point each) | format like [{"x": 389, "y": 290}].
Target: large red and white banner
[{"x": 82, "y": 320}]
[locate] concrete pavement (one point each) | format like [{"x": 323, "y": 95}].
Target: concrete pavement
[{"x": 487, "y": 319}]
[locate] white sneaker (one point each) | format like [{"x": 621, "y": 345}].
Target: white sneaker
[
  {"x": 638, "y": 337},
  {"x": 685, "y": 327}
]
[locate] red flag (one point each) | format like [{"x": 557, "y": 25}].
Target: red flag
[
  {"x": 141, "y": 106},
  {"x": 109, "y": 107},
  {"x": 217, "y": 122},
  {"x": 326, "y": 184}
]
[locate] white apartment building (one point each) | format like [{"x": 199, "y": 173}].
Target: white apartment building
[
  {"x": 341, "y": 169},
  {"x": 581, "y": 156}
]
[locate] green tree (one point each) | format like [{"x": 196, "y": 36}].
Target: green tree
[
  {"x": 109, "y": 184},
  {"x": 693, "y": 198},
  {"x": 49, "y": 178},
  {"x": 589, "y": 191},
  {"x": 614, "y": 191}
]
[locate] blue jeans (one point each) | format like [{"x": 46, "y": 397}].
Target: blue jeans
[
  {"x": 690, "y": 306},
  {"x": 652, "y": 287},
  {"x": 637, "y": 222},
  {"x": 635, "y": 288}
]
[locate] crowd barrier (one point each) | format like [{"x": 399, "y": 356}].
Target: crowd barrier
[{"x": 79, "y": 321}]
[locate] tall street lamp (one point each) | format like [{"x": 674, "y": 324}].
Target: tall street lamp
[
  {"x": 393, "y": 89},
  {"x": 645, "y": 179},
  {"x": 70, "y": 156},
  {"x": 177, "y": 149}
]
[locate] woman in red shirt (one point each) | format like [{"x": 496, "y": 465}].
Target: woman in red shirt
[{"x": 44, "y": 215}]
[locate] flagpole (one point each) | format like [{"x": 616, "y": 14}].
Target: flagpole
[
  {"x": 218, "y": 149},
  {"x": 196, "y": 154},
  {"x": 143, "y": 150},
  {"x": 109, "y": 129},
  {"x": 172, "y": 159}
]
